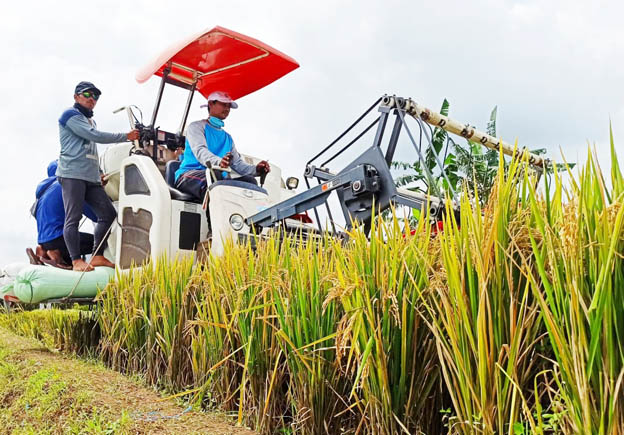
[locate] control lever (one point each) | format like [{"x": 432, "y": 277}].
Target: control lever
[
  {"x": 263, "y": 176},
  {"x": 131, "y": 120},
  {"x": 211, "y": 171}
]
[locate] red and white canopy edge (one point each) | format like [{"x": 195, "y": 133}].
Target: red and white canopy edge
[{"x": 220, "y": 60}]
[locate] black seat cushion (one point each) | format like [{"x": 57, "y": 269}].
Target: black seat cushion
[
  {"x": 170, "y": 169},
  {"x": 181, "y": 196},
  {"x": 238, "y": 183}
]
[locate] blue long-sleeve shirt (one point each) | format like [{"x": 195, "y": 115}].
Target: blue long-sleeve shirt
[
  {"x": 206, "y": 143},
  {"x": 79, "y": 156}
]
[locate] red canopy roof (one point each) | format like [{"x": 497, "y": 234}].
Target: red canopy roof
[{"x": 222, "y": 60}]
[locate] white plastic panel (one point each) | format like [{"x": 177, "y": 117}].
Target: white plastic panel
[
  {"x": 157, "y": 203},
  {"x": 224, "y": 201}
]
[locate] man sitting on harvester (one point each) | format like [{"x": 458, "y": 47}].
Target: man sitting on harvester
[
  {"x": 50, "y": 215},
  {"x": 79, "y": 174},
  {"x": 209, "y": 146}
]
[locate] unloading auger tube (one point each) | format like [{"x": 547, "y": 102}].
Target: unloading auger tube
[{"x": 436, "y": 119}]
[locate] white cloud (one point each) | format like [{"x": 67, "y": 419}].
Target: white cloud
[{"x": 553, "y": 68}]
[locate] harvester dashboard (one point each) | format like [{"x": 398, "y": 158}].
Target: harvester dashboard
[{"x": 150, "y": 135}]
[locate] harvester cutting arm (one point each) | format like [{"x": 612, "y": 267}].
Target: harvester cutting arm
[
  {"x": 363, "y": 184},
  {"x": 306, "y": 200},
  {"x": 466, "y": 131},
  {"x": 366, "y": 186}
]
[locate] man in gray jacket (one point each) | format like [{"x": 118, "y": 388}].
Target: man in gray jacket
[{"x": 79, "y": 174}]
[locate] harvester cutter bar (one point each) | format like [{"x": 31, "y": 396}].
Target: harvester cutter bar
[
  {"x": 366, "y": 183},
  {"x": 313, "y": 197}
]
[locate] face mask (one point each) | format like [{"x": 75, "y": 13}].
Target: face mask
[
  {"x": 216, "y": 122},
  {"x": 86, "y": 112}
]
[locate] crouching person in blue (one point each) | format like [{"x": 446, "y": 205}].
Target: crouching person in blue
[
  {"x": 79, "y": 175},
  {"x": 49, "y": 212},
  {"x": 207, "y": 144}
]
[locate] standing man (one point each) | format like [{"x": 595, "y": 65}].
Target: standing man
[
  {"x": 207, "y": 144},
  {"x": 79, "y": 174}
]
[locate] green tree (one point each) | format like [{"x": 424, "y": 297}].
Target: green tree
[
  {"x": 467, "y": 163},
  {"x": 470, "y": 163},
  {"x": 478, "y": 165},
  {"x": 426, "y": 176}
]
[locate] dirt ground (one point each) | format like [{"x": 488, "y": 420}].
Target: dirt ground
[{"x": 46, "y": 392}]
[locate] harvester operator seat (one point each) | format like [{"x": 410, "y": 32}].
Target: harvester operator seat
[{"x": 170, "y": 169}]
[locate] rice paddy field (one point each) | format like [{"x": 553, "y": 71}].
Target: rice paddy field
[{"x": 510, "y": 320}]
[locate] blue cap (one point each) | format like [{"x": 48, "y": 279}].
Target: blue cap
[{"x": 86, "y": 86}]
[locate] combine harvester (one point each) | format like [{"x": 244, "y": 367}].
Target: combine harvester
[{"x": 155, "y": 219}]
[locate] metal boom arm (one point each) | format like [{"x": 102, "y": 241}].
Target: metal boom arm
[{"x": 464, "y": 130}]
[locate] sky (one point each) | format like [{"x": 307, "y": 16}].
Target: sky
[{"x": 554, "y": 69}]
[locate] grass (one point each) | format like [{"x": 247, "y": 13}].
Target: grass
[
  {"x": 37, "y": 399},
  {"x": 44, "y": 391}
]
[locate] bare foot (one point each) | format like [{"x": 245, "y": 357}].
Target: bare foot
[
  {"x": 100, "y": 260},
  {"x": 55, "y": 256},
  {"x": 52, "y": 263},
  {"x": 80, "y": 265},
  {"x": 32, "y": 257},
  {"x": 41, "y": 252}
]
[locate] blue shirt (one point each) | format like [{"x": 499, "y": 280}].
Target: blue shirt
[{"x": 207, "y": 143}]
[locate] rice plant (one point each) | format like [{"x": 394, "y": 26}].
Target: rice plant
[
  {"x": 303, "y": 288},
  {"x": 510, "y": 319},
  {"x": 484, "y": 317},
  {"x": 236, "y": 301},
  {"x": 73, "y": 330},
  {"x": 144, "y": 316},
  {"x": 381, "y": 283},
  {"x": 578, "y": 248}
]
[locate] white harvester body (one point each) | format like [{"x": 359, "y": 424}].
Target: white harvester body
[{"x": 154, "y": 219}]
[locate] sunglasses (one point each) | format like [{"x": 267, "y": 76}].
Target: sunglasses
[{"x": 89, "y": 94}]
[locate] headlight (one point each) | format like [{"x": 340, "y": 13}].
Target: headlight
[
  {"x": 237, "y": 222},
  {"x": 292, "y": 183}
]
